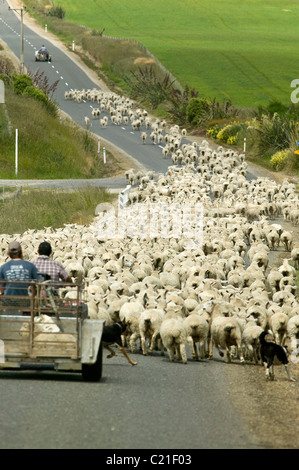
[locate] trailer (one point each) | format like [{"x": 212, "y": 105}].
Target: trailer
[{"x": 45, "y": 330}]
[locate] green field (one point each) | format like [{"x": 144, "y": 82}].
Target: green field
[{"x": 246, "y": 51}]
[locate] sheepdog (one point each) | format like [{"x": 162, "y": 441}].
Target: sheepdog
[
  {"x": 112, "y": 336},
  {"x": 268, "y": 353}
]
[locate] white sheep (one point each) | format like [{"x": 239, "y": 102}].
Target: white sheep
[
  {"x": 251, "y": 342},
  {"x": 149, "y": 326},
  {"x": 295, "y": 256},
  {"x": 130, "y": 314},
  {"x": 197, "y": 328},
  {"x": 293, "y": 331},
  {"x": 286, "y": 239},
  {"x": 174, "y": 337},
  {"x": 278, "y": 323},
  {"x": 225, "y": 333}
]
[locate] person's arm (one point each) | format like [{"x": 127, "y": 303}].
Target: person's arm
[{"x": 64, "y": 276}]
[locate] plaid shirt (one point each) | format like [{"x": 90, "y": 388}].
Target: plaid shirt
[{"x": 55, "y": 269}]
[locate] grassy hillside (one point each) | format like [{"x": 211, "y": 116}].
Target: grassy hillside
[
  {"x": 245, "y": 51},
  {"x": 47, "y": 146}
]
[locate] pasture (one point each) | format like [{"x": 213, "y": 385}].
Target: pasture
[{"x": 242, "y": 51}]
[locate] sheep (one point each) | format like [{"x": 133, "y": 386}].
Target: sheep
[
  {"x": 174, "y": 337},
  {"x": 286, "y": 239},
  {"x": 251, "y": 342},
  {"x": 225, "y": 333},
  {"x": 295, "y": 256},
  {"x": 87, "y": 122},
  {"x": 258, "y": 314},
  {"x": 197, "y": 328},
  {"x": 286, "y": 269},
  {"x": 130, "y": 314},
  {"x": 293, "y": 331},
  {"x": 149, "y": 326},
  {"x": 104, "y": 122},
  {"x": 278, "y": 323},
  {"x": 143, "y": 137},
  {"x": 273, "y": 279},
  {"x": 273, "y": 239}
]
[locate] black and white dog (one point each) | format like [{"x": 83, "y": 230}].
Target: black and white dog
[
  {"x": 112, "y": 336},
  {"x": 271, "y": 350}
]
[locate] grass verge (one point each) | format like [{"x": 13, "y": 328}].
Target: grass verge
[
  {"x": 48, "y": 147},
  {"x": 37, "y": 209}
]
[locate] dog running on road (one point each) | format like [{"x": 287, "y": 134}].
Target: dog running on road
[
  {"x": 271, "y": 350},
  {"x": 112, "y": 335}
]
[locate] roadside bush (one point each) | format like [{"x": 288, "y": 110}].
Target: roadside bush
[
  {"x": 178, "y": 102},
  {"x": 279, "y": 159},
  {"x": 229, "y": 134},
  {"x": 58, "y": 12},
  {"x": 21, "y": 82},
  {"x": 35, "y": 93},
  {"x": 274, "y": 133},
  {"x": 196, "y": 110},
  {"x": 148, "y": 88},
  {"x": 213, "y": 131}
]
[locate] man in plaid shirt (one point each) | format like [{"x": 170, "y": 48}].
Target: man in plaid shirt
[{"x": 49, "y": 266}]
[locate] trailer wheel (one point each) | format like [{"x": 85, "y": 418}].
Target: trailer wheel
[{"x": 93, "y": 372}]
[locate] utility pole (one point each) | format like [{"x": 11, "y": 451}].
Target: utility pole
[{"x": 21, "y": 11}]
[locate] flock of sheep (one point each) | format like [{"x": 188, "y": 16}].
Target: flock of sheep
[{"x": 173, "y": 292}]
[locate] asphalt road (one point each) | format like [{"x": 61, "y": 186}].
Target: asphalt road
[{"x": 154, "y": 405}]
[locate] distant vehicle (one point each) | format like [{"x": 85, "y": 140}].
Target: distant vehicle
[{"x": 42, "y": 56}]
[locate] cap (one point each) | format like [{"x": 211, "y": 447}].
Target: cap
[{"x": 14, "y": 246}]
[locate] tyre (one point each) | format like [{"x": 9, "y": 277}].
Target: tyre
[{"x": 93, "y": 372}]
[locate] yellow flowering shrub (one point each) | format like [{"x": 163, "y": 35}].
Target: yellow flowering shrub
[
  {"x": 232, "y": 140},
  {"x": 212, "y": 132},
  {"x": 279, "y": 159},
  {"x": 224, "y": 133}
]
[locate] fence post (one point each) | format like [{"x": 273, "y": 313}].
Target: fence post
[
  {"x": 123, "y": 197},
  {"x": 16, "y": 156}
]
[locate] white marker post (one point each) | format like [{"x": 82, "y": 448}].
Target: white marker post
[
  {"x": 73, "y": 46},
  {"x": 104, "y": 155},
  {"x": 46, "y": 27},
  {"x": 16, "y": 157},
  {"x": 244, "y": 144}
]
